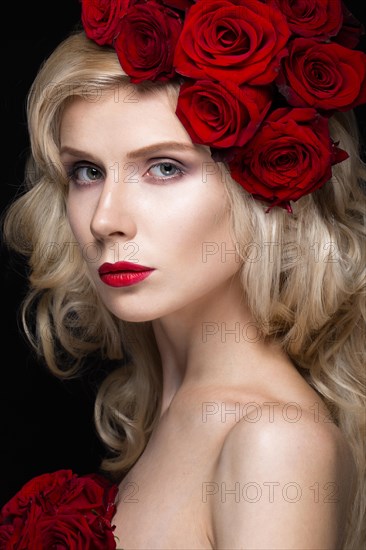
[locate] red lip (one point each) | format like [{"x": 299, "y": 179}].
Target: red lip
[
  {"x": 122, "y": 266},
  {"x": 123, "y": 273}
]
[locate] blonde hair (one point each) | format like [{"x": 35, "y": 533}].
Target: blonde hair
[{"x": 306, "y": 277}]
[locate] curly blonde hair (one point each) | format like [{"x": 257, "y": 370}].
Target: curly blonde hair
[{"x": 320, "y": 248}]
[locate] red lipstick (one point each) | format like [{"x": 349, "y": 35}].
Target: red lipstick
[{"x": 123, "y": 273}]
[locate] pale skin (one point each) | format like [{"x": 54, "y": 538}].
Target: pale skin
[{"x": 217, "y": 472}]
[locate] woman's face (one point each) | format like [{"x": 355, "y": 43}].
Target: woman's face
[{"x": 141, "y": 192}]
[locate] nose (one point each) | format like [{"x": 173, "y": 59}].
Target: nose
[{"x": 113, "y": 213}]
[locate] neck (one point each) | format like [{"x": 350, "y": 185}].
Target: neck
[{"x": 204, "y": 344}]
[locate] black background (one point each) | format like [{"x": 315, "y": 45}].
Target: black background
[{"x": 45, "y": 424}]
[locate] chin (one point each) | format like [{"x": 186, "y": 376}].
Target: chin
[
  {"x": 131, "y": 315},
  {"x": 138, "y": 318}
]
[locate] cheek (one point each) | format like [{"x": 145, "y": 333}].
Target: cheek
[
  {"x": 211, "y": 220},
  {"x": 78, "y": 217},
  {"x": 202, "y": 235}
]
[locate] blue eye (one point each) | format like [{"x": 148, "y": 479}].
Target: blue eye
[
  {"x": 85, "y": 175},
  {"x": 165, "y": 170}
]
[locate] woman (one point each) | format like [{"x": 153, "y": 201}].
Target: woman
[{"x": 207, "y": 235}]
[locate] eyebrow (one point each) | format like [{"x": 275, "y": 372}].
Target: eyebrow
[
  {"x": 157, "y": 147},
  {"x": 143, "y": 151}
]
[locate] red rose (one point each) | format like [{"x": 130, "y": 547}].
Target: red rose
[
  {"x": 101, "y": 19},
  {"x": 182, "y": 5},
  {"x": 69, "y": 531},
  {"x": 6, "y": 534},
  {"x": 45, "y": 484},
  {"x": 351, "y": 31},
  {"x": 323, "y": 75},
  {"x": 319, "y": 19},
  {"x": 60, "y": 510},
  {"x": 147, "y": 40},
  {"x": 290, "y": 156},
  {"x": 221, "y": 115},
  {"x": 238, "y": 40}
]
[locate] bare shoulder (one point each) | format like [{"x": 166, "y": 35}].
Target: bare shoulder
[
  {"x": 281, "y": 435},
  {"x": 284, "y": 482}
]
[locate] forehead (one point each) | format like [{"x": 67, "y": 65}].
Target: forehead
[{"x": 129, "y": 117}]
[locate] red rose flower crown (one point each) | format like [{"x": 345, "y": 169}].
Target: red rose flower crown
[{"x": 259, "y": 79}]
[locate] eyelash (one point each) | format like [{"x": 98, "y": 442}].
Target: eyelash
[
  {"x": 180, "y": 171},
  {"x": 72, "y": 174}
]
